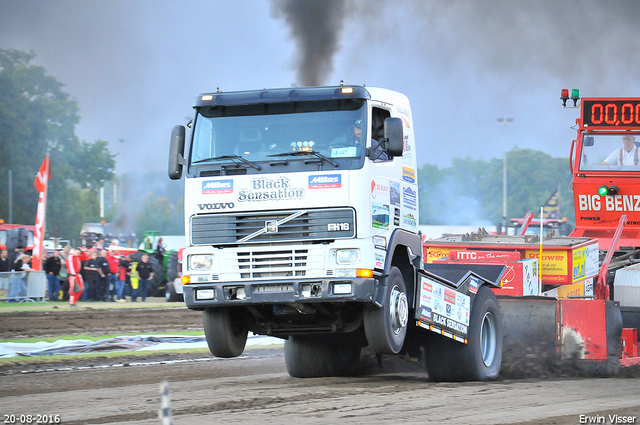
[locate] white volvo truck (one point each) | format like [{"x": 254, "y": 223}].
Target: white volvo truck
[{"x": 301, "y": 209}]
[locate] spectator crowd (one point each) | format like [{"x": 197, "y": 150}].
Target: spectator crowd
[{"x": 94, "y": 275}]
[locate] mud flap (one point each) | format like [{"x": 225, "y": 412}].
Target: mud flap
[{"x": 529, "y": 332}]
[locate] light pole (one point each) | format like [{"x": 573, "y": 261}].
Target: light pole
[{"x": 504, "y": 122}]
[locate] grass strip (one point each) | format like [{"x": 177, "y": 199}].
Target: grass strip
[
  {"x": 97, "y": 338},
  {"x": 44, "y": 360}
]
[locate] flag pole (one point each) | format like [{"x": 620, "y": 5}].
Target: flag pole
[
  {"x": 540, "y": 261},
  {"x": 41, "y": 183}
]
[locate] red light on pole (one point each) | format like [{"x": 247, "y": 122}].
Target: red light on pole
[{"x": 564, "y": 96}]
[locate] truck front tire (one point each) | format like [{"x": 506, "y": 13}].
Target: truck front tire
[
  {"x": 314, "y": 356},
  {"x": 226, "y": 334},
  {"x": 480, "y": 359},
  {"x": 386, "y": 326}
]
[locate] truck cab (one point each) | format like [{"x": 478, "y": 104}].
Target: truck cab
[
  {"x": 606, "y": 170},
  {"x": 301, "y": 209}
]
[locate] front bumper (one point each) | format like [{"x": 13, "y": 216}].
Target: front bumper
[{"x": 280, "y": 291}]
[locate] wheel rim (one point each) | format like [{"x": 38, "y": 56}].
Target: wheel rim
[
  {"x": 488, "y": 338},
  {"x": 399, "y": 310}
]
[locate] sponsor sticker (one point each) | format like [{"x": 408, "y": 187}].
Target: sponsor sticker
[
  {"x": 410, "y": 220},
  {"x": 394, "y": 193},
  {"x": 213, "y": 187},
  {"x": 444, "y": 306},
  {"x": 379, "y": 242},
  {"x": 425, "y": 313},
  {"x": 380, "y": 216},
  {"x": 325, "y": 181},
  {"x": 555, "y": 264},
  {"x": 378, "y": 189},
  {"x": 474, "y": 284},
  {"x": 409, "y": 198},
  {"x": 408, "y": 174}
]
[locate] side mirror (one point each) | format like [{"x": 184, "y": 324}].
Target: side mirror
[
  {"x": 588, "y": 141},
  {"x": 176, "y": 152},
  {"x": 394, "y": 135}
]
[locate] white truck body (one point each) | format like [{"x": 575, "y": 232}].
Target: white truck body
[{"x": 301, "y": 219}]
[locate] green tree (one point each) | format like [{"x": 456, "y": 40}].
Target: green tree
[
  {"x": 159, "y": 214},
  {"x": 36, "y": 117},
  {"x": 470, "y": 191},
  {"x": 93, "y": 164}
]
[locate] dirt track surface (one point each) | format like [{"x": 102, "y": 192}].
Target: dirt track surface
[
  {"x": 88, "y": 320},
  {"x": 255, "y": 388}
]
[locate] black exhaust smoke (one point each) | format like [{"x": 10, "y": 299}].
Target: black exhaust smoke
[{"x": 316, "y": 26}]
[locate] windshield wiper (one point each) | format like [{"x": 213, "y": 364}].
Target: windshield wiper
[
  {"x": 300, "y": 153},
  {"x": 231, "y": 157}
]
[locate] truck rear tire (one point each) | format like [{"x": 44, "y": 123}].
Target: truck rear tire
[
  {"x": 480, "y": 359},
  {"x": 226, "y": 334},
  {"x": 386, "y": 327},
  {"x": 314, "y": 356}
]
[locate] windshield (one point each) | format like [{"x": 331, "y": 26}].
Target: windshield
[
  {"x": 610, "y": 152},
  {"x": 292, "y": 131}
]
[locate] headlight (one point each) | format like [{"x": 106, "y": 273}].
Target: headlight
[
  {"x": 347, "y": 256},
  {"x": 200, "y": 262}
]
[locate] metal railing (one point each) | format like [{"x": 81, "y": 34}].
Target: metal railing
[{"x": 23, "y": 286}]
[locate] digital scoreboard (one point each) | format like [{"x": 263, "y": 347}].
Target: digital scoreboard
[{"x": 611, "y": 113}]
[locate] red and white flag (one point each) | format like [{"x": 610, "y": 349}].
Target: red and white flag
[
  {"x": 42, "y": 178},
  {"x": 43, "y": 175}
]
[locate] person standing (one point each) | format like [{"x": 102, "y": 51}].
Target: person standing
[
  {"x": 145, "y": 273},
  {"x": 52, "y": 268},
  {"x": 124, "y": 272},
  {"x": 105, "y": 271},
  {"x": 160, "y": 251},
  {"x": 18, "y": 286},
  {"x": 76, "y": 283},
  {"x": 93, "y": 273},
  {"x": 113, "y": 276},
  {"x": 5, "y": 263},
  {"x": 5, "y": 266},
  {"x": 84, "y": 257}
]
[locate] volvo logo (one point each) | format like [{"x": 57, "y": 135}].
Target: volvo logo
[
  {"x": 271, "y": 226},
  {"x": 216, "y": 206}
]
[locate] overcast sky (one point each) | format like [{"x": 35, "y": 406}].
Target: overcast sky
[{"x": 136, "y": 66}]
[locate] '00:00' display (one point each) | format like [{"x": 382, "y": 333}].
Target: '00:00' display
[{"x": 611, "y": 113}]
